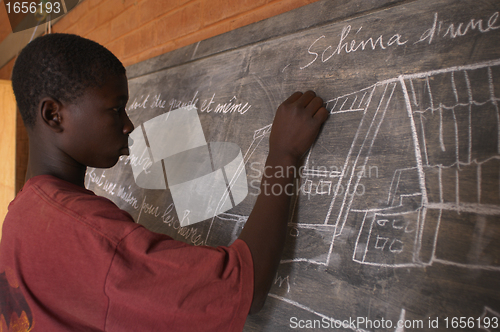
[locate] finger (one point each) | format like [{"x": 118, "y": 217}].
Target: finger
[
  {"x": 306, "y": 98},
  {"x": 321, "y": 115},
  {"x": 296, "y": 95},
  {"x": 314, "y": 105}
]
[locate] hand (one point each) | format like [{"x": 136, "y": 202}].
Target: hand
[{"x": 296, "y": 125}]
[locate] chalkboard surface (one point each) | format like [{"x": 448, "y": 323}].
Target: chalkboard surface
[{"x": 397, "y": 213}]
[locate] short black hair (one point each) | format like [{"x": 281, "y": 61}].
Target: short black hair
[{"x": 60, "y": 66}]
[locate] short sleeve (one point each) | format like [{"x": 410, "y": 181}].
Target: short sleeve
[{"x": 156, "y": 283}]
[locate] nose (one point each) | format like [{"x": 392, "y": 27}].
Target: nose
[{"x": 128, "y": 126}]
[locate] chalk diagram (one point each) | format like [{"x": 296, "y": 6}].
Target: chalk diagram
[
  {"x": 222, "y": 219},
  {"x": 449, "y": 184},
  {"x": 454, "y": 131},
  {"x": 454, "y": 171}
]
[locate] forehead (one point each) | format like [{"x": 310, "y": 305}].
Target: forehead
[{"x": 114, "y": 89}]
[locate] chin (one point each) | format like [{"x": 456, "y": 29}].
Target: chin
[
  {"x": 113, "y": 163},
  {"x": 105, "y": 164}
]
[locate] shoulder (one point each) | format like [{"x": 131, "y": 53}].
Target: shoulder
[{"x": 47, "y": 198}]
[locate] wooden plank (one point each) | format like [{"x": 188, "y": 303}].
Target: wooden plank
[{"x": 7, "y": 147}]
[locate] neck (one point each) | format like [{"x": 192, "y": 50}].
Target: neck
[{"x": 54, "y": 162}]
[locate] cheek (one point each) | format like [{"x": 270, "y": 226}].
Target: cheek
[
  {"x": 101, "y": 130},
  {"x": 89, "y": 145}
]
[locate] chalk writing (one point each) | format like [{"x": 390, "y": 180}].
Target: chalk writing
[
  {"x": 175, "y": 103},
  {"x": 191, "y": 234},
  {"x": 149, "y": 209},
  {"x": 92, "y": 177},
  {"x": 127, "y": 197},
  {"x": 278, "y": 280},
  {"x": 350, "y": 42},
  {"x": 136, "y": 161},
  {"x": 109, "y": 187},
  {"x": 158, "y": 102},
  {"x": 233, "y": 106},
  {"x": 353, "y": 45},
  {"x": 207, "y": 106},
  {"x": 141, "y": 103},
  {"x": 455, "y": 30}
]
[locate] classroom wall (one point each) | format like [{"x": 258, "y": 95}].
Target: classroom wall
[
  {"x": 137, "y": 30},
  {"x": 7, "y": 147}
]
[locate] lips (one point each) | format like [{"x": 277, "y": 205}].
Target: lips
[{"x": 125, "y": 150}]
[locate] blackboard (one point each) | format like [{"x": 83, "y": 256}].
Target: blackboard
[{"x": 397, "y": 213}]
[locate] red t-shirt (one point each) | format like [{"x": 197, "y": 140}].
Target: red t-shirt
[{"x": 73, "y": 261}]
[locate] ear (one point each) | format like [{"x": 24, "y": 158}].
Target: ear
[{"x": 51, "y": 113}]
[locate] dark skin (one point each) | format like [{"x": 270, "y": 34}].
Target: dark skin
[
  {"x": 295, "y": 127},
  {"x": 93, "y": 130}
]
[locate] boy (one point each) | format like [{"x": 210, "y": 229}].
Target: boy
[{"x": 76, "y": 261}]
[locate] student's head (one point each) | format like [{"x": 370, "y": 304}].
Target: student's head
[
  {"x": 60, "y": 66},
  {"x": 72, "y": 93}
]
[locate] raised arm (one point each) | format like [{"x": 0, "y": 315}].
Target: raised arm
[{"x": 295, "y": 127}]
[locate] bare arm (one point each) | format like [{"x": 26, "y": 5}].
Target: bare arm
[{"x": 295, "y": 127}]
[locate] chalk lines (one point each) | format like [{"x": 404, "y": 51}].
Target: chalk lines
[
  {"x": 456, "y": 167},
  {"x": 421, "y": 208},
  {"x": 490, "y": 319},
  {"x": 258, "y": 136},
  {"x": 445, "y": 178},
  {"x": 320, "y": 315}
]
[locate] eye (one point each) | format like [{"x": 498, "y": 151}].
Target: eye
[{"x": 118, "y": 109}]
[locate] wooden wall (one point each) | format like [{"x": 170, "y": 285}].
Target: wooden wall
[
  {"x": 137, "y": 30},
  {"x": 7, "y": 147}
]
